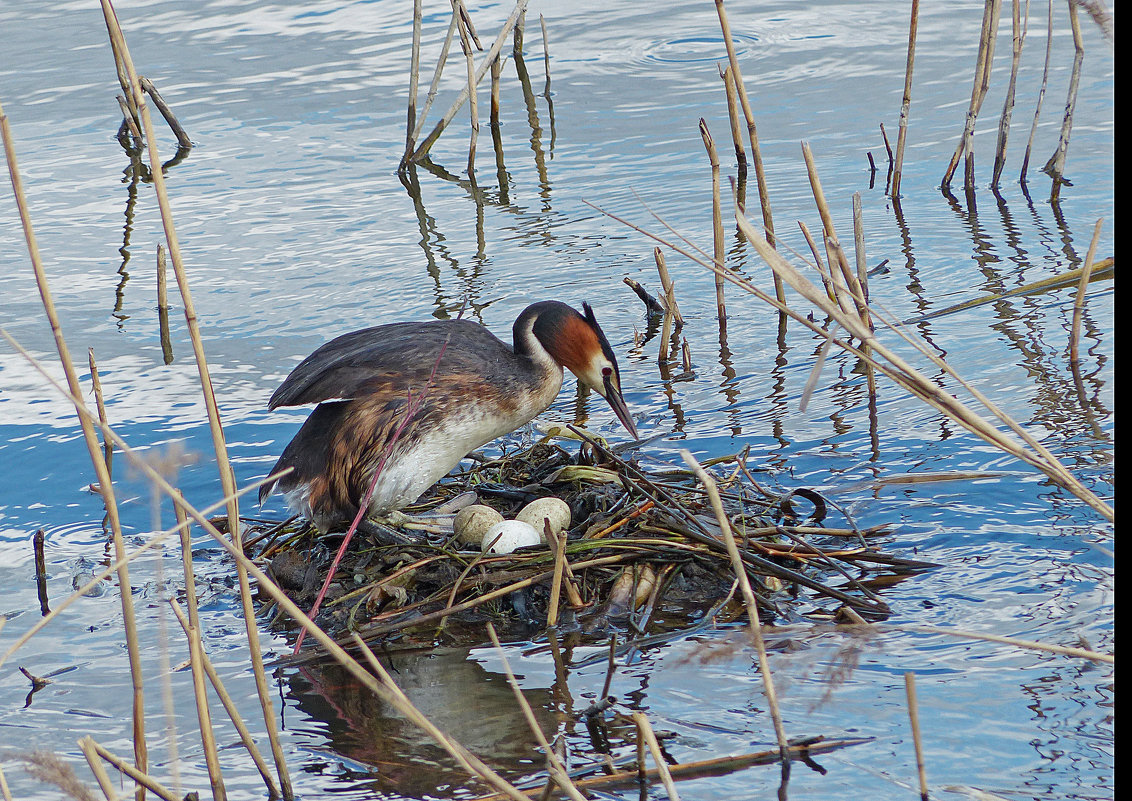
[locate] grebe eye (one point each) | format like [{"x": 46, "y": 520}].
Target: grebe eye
[{"x": 607, "y": 371}]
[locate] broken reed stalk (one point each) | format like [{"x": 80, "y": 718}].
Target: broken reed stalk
[
  {"x": 716, "y": 220},
  {"x": 914, "y": 719},
  {"x": 468, "y": 38},
  {"x": 669, "y": 287},
  {"x": 141, "y": 778},
  {"x": 979, "y": 87},
  {"x": 1079, "y": 301},
  {"x": 102, "y": 471},
  {"x": 86, "y": 744},
  {"x": 556, "y": 770},
  {"x": 100, "y": 406},
  {"x": 724, "y": 522},
  {"x": 556, "y": 583},
  {"x": 545, "y": 56},
  {"x": 756, "y": 154},
  {"x": 166, "y": 112},
  {"x": 433, "y": 88},
  {"x": 906, "y": 103},
  {"x": 1018, "y": 35},
  {"x": 227, "y": 481},
  {"x": 414, "y": 76},
  {"x": 230, "y": 709},
  {"x": 728, "y": 77},
  {"x": 863, "y": 281},
  {"x": 424, "y": 147},
  {"x": 204, "y": 718},
  {"x": 645, "y": 733},
  {"x": 40, "y": 557},
  {"x": 1055, "y": 167},
  {"x": 1041, "y": 95}
]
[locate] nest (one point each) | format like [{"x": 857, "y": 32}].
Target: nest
[{"x": 645, "y": 553}]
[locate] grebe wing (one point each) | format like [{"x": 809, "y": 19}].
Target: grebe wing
[{"x": 392, "y": 358}]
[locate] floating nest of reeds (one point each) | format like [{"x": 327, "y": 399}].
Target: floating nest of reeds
[{"x": 644, "y": 553}]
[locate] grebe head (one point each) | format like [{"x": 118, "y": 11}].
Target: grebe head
[{"x": 578, "y": 343}]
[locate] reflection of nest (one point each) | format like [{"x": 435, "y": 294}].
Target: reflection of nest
[{"x": 644, "y": 547}]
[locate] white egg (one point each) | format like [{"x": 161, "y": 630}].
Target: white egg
[
  {"x": 472, "y": 522},
  {"x": 556, "y": 510},
  {"x": 508, "y": 535}
]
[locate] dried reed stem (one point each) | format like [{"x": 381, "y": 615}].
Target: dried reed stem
[
  {"x": 716, "y": 219},
  {"x": 749, "y": 600},
  {"x": 414, "y": 77},
  {"x": 96, "y": 767},
  {"x": 733, "y": 115},
  {"x": 545, "y": 56},
  {"x": 669, "y": 287},
  {"x": 229, "y": 705},
  {"x": 1041, "y": 95},
  {"x": 497, "y": 45},
  {"x": 1019, "y": 34},
  {"x": 204, "y": 719},
  {"x": 906, "y": 103},
  {"x": 555, "y": 768},
  {"x": 101, "y": 469},
  {"x": 468, "y": 38},
  {"x": 432, "y": 90},
  {"x": 100, "y": 406},
  {"x": 1079, "y": 301},
  {"x": 645, "y": 733},
  {"x": 556, "y": 583},
  {"x": 166, "y": 112},
  {"x": 979, "y": 88},
  {"x": 756, "y": 154},
  {"x": 40, "y": 557},
  {"x": 226, "y": 476},
  {"x": 1055, "y": 167},
  {"x": 139, "y": 777},
  {"x": 387, "y": 690},
  {"x": 914, "y": 718}
]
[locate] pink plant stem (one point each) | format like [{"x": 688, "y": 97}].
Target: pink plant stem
[{"x": 411, "y": 409}]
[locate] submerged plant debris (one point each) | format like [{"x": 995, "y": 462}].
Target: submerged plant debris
[{"x": 644, "y": 555}]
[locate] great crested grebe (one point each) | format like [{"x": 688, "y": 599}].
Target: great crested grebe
[{"x": 467, "y": 388}]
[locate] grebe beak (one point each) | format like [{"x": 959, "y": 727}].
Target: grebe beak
[{"x": 617, "y": 403}]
